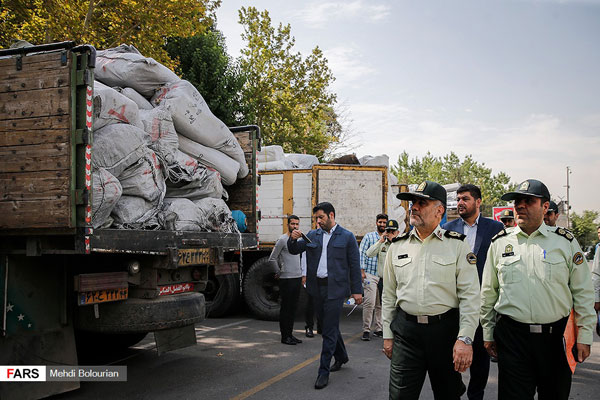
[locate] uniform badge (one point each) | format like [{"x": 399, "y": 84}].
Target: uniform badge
[
  {"x": 453, "y": 234},
  {"x": 578, "y": 258},
  {"x": 524, "y": 186},
  {"x": 439, "y": 234},
  {"x": 508, "y": 251},
  {"x": 422, "y": 186},
  {"x": 401, "y": 256},
  {"x": 471, "y": 258}
]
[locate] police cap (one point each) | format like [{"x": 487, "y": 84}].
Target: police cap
[
  {"x": 507, "y": 214},
  {"x": 530, "y": 187},
  {"x": 426, "y": 190},
  {"x": 392, "y": 225},
  {"x": 553, "y": 207}
]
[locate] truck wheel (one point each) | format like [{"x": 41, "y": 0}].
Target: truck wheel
[
  {"x": 221, "y": 294},
  {"x": 261, "y": 290}
]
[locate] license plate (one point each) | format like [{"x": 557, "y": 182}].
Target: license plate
[
  {"x": 102, "y": 296},
  {"x": 176, "y": 288},
  {"x": 193, "y": 257}
]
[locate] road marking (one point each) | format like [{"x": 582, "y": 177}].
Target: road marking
[{"x": 284, "y": 374}]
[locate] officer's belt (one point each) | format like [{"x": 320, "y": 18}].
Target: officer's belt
[
  {"x": 552, "y": 327},
  {"x": 428, "y": 319}
]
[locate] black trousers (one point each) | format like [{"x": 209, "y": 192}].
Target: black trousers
[
  {"x": 329, "y": 310},
  {"x": 309, "y": 313},
  {"x": 289, "y": 289},
  {"x": 421, "y": 349},
  {"x": 529, "y": 361},
  {"x": 480, "y": 368}
]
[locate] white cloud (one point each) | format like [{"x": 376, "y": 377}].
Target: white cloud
[
  {"x": 347, "y": 65},
  {"x": 318, "y": 14}
]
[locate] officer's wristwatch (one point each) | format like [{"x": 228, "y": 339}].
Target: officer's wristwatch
[{"x": 465, "y": 339}]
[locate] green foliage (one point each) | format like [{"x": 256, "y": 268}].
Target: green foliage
[
  {"x": 585, "y": 227},
  {"x": 450, "y": 169},
  {"x": 286, "y": 94},
  {"x": 203, "y": 60},
  {"x": 106, "y": 23}
]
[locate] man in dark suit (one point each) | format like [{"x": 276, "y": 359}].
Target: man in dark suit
[
  {"x": 479, "y": 231},
  {"x": 332, "y": 275}
]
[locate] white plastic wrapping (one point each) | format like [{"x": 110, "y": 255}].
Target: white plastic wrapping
[
  {"x": 131, "y": 94},
  {"x": 204, "y": 183},
  {"x": 381, "y": 160},
  {"x": 106, "y": 193},
  {"x": 182, "y": 215},
  {"x": 157, "y": 123},
  {"x": 133, "y": 212},
  {"x": 145, "y": 179},
  {"x": 193, "y": 119},
  {"x": 124, "y": 66},
  {"x": 212, "y": 158},
  {"x": 217, "y": 215},
  {"x": 118, "y": 146},
  {"x": 111, "y": 107},
  {"x": 275, "y": 165},
  {"x": 270, "y": 153},
  {"x": 302, "y": 161}
]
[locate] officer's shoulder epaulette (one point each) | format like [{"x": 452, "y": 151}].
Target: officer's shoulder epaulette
[
  {"x": 565, "y": 233},
  {"x": 455, "y": 235},
  {"x": 400, "y": 237},
  {"x": 503, "y": 232}
]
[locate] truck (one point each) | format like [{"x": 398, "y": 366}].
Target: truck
[{"x": 65, "y": 286}]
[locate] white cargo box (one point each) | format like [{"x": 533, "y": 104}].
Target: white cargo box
[{"x": 357, "y": 192}]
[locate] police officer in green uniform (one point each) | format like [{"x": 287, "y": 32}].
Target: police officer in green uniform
[
  {"x": 507, "y": 217},
  {"x": 430, "y": 301},
  {"x": 533, "y": 276}
]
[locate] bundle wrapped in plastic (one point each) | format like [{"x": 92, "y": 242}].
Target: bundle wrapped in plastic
[
  {"x": 158, "y": 125},
  {"x": 181, "y": 215},
  {"x": 275, "y": 165},
  {"x": 270, "y": 153},
  {"x": 193, "y": 119},
  {"x": 205, "y": 182},
  {"x": 106, "y": 193},
  {"x": 111, "y": 107},
  {"x": 118, "y": 146},
  {"x": 133, "y": 212},
  {"x": 184, "y": 168},
  {"x": 124, "y": 66},
  {"x": 378, "y": 161},
  {"x": 302, "y": 161},
  {"x": 131, "y": 94},
  {"x": 217, "y": 215},
  {"x": 145, "y": 179},
  {"x": 212, "y": 158}
]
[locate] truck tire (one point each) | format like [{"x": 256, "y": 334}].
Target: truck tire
[
  {"x": 142, "y": 315},
  {"x": 222, "y": 293},
  {"x": 261, "y": 290}
]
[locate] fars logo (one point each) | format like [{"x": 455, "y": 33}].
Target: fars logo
[{"x": 22, "y": 373}]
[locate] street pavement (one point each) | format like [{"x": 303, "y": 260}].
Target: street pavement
[{"x": 242, "y": 358}]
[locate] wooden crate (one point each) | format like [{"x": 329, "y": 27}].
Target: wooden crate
[
  {"x": 242, "y": 194},
  {"x": 35, "y": 142}
]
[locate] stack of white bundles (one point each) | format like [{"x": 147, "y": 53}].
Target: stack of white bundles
[
  {"x": 302, "y": 161},
  {"x": 275, "y": 165},
  {"x": 124, "y": 66},
  {"x": 270, "y": 153},
  {"x": 131, "y": 94},
  {"x": 134, "y": 212},
  {"x": 184, "y": 168},
  {"x": 376, "y": 161},
  {"x": 145, "y": 179},
  {"x": 163, "y": 138},
  {"x": 118, "y": 146},
  {"x": 194, "y": 120},
  {"x": 205, "y": 182},
  {"x": 217, "y": 215},
  {"x": 212, "y": 158},
  {"x": 181, "y": 215},
  {"x": 106, "y": 193},
  {"x": 111, "y": 107}
]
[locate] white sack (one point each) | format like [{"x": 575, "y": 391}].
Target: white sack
[
  {"x": 132, "y": 212},
  {"x": 181, "y": 215},
  {"x": 275, "y": 165},
  {"x": 218, "y": 215},
  {"x": 124, "y": 66},
  {"x": 131, "y": 94},
  {"x": 145, "y": 179},
  {"x": 378, "y": 161},
  {"x": 157, "y": 123},
  {"x": 193, "y": 119},
  {"x": 302, "y": 161},
  {"x": 212, "y": 158},
  {"x": 270, "y": 153},
  {"x": 118, "y": 146},
  {"x": 111, "y": 107},
  {"x": 205, "y": 183},
  {"x": 106, "y": 193}
]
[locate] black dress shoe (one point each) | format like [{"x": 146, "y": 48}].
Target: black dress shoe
[
  {"x": 295, "y": 339},
  {"x": 309, "y": 332},
  {"x": 366, "y": 336},
  {"x": 337, "y": 365},
  {"x": 288, "y": 340},
  {"x": 322, "y": 381},
  {"x": 378, "y": 334}
]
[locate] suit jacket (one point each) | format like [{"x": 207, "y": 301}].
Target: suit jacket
[
  {"x": 343, "y": 262},
  {"x": 486, "y": 229}
]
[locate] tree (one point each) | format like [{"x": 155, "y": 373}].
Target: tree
[
  {"x": 286, "y": 94},
  {"x": 585, "y": 227},
  {"x": 450, "y": 169},
  {"x": 106, "y": 23},
  {"x": 203, "y": 60}
]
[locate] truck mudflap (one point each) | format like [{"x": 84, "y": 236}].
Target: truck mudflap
[{"x": 142, "y": 315}]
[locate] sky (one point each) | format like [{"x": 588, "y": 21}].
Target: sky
[{"x": 514, "y": 83}]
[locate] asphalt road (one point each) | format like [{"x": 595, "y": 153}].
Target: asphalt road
[{"x": 241, "y": 357}]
